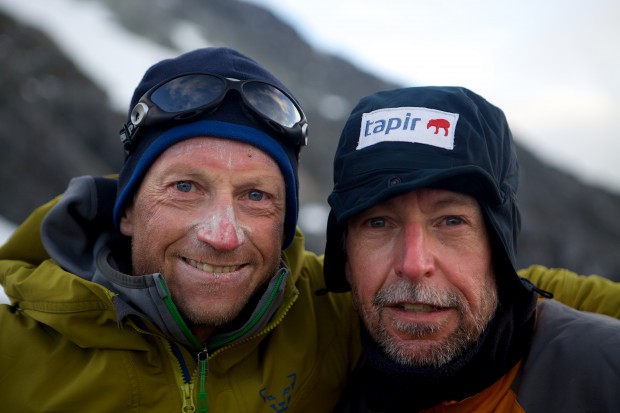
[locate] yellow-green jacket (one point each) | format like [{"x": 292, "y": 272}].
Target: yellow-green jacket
[
  {"x": 75, "y": 340},
  {"x": 590, "y": 293},
  {"x": 69, "y": 344}
]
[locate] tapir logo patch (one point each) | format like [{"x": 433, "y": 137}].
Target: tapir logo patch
[
  {"x": 408, "y": 124},
  {"x": 439, "y": 124}
]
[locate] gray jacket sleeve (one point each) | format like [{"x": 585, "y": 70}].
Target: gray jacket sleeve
[{"x": 573, "y": 364}]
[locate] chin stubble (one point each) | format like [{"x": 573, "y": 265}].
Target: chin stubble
[{"x": 411, "y": 352}]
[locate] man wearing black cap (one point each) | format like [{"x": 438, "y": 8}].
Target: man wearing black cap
[
  {"x": 423, "y": 227},
  {"x": 167, "y": 289}
]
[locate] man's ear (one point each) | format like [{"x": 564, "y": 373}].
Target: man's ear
[{"x": 127, "y": 221}]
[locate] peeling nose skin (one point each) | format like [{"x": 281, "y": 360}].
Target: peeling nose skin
[{"x": 222, "y": 230}]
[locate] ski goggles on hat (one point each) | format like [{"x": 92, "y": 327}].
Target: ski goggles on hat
[{"x": 192, "y": 95}]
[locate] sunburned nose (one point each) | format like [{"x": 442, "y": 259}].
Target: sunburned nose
[
  {"x": 415, "y": 256},
  {"x": 221, "y": 230}
]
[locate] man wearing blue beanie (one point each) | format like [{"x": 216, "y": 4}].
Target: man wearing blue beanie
[
  {"x": 168, "y": 289},
  {"x": 423, "y": 229}
]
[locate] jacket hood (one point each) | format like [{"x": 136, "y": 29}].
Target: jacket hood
[{"x": 35, "y": 284}]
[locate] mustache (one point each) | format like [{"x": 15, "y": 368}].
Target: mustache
[{"x": 407, "y": 291}]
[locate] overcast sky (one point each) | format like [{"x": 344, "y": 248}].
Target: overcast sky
[{"x": 552, "y": 65}]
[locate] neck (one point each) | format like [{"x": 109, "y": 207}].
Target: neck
[{"x": 202, "y": 332}]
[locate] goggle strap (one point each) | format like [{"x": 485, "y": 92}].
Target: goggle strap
[{"x": 128, "y": 130}]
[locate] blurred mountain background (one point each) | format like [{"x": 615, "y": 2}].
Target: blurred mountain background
[{"x": 57, "y": 123}]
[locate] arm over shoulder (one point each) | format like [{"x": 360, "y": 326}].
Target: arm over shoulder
[{"x": 583, "y": 292}]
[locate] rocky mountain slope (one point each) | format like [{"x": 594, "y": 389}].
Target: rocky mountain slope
[{"x": 56, "y": 125}]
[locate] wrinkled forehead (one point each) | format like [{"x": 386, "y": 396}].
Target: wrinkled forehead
[{"x": 218, "y": 147}]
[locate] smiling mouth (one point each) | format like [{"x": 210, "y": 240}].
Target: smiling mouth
[{"x": 212, "y": 268}]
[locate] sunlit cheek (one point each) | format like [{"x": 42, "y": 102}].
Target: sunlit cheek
[{"x": 152, "y": 217}]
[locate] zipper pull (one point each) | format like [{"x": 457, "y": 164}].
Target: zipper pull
[
  {"x": 188, "y": 402},
  {"x": 203, "y": 368}
]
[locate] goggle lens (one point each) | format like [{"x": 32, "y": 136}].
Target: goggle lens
[
  {"x": 188, "y": 93},
  {"x": 271, "y": 103}
]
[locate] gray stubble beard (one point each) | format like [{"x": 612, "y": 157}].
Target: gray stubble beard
[{"x": 440, "y": 352}]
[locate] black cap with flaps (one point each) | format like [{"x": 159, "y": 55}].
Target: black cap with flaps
[{"x": 424, "y": 137}]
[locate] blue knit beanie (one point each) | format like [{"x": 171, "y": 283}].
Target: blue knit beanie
[{"x": 227, "y": 121}]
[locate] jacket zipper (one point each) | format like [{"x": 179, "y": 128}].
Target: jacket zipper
[
  {"x": 253, "y": 322},
  {"x": 183, "y": 377},
  {"x": 182, "y": 374},
  {"x": 187, "y": 390},
  {"x": 260, "y": 333},
  {"x": 203, "y": 359},
  {"x": 203, "y": 355},
  {"x": 203, "y": 369},
  {"x": 177, "y": 316}
]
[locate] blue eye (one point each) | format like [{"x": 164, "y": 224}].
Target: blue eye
[
  {"x": 184, "y": 186},
  {"x": 376, "y": 222},
  {"x": 452, "y": 221},
  {"x": 256, "y": 195}
]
